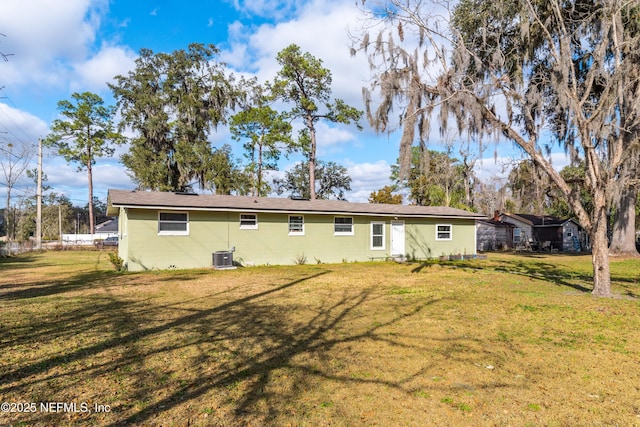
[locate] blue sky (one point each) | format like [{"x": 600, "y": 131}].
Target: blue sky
[{"x": 59, "y": 48}]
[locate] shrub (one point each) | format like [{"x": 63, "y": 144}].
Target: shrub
[
  {"x": 116, "y": 261},
  {"x": 300, "y": 259}
]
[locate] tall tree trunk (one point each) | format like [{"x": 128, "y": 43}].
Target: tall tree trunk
[
  {"x": 259, "y": 189},
  {"x": 600, "y": 250},
  {"x": 8, "y": 223},
  {"x": 600, "y": 259},
  {"x": 91, "y": 220},
  {"x": 312, "y": 160},
  {"x": 254, "y": 171},
  {"x": 623, "y": 238}
]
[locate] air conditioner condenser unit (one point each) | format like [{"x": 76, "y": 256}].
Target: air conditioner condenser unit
[{"x": 223, "y": 260}]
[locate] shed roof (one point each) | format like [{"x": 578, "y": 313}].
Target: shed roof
[
  {"x": 496, "y": 223},
  {"x": 539, "y": 220},
  {"x": 211, "y": 202}
]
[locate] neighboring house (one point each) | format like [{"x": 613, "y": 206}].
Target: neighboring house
[
  {"x": 160, "y": 230},
  {"x": 108, "y": 228},
  {"x": 545, "y": 232},
  {"x": 105, "y": 229},
  {"x": 494, "y": 234}
]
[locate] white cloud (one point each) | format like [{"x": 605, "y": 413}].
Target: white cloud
[
  {"x": 366, "y": 178},
  {"x": 47, "y": 32},
  {"x": 254, "y": 50},
  {"x": 331, "y": 138},
  {"x": 109, "y": 62},
  {"x": 489, "y": 168},
  {"x": 110, "y": 174},
  {"x": 493, "y": 167},
  {"x": 66, "y": 179},
  {"x": 20, "y": 126},
  {"x": 320, "y": 29},
  {"x": 53, "y": 46}
]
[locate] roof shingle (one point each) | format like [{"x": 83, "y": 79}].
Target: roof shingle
[{"x": 167, "y": 200}]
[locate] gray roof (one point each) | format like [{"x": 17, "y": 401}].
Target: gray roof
[
  {"x": 495, "y": 223},
  {"x": 210, "y": 202},
  {"x": 540, "y": 220},
  {"x": 109, "y": 226}
]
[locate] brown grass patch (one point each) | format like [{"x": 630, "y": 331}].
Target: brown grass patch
[{"x": 512, "y": 340}]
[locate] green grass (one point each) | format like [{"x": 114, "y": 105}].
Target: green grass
[{"x": 512, "y": 340}]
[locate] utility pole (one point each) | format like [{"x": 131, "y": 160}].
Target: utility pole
[
  {"x": 60, "y": 224},
  {"x": 39, "y": 199}
]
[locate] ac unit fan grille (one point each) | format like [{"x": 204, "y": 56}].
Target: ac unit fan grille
[{"x": 222, "y": 259}]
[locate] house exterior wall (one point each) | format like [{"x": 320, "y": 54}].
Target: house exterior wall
[
  {"x": 123, "y": 236},
  {"x": 526, "y": 229},
  {"x": 492, "y": 237},
  {"x": 570, "y": 237},
  {"x": 421, "y": 240},
  {"x": 487, "y": 236},
  {"x": 143, "y": 248}
]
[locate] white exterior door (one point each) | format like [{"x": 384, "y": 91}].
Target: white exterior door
[{"x": 397, "y": 238}]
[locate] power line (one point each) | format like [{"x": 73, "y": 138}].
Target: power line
[
  {"x": 4, "y": 150},
  {"x": 5, "y": 55},
  {"x": 28, "y": 137}
]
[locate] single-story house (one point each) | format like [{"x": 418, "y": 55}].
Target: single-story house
[
  {"x": 544, "y": 232},
  {"x": 161, "y": 230},
  {"x": 105, "y": 229}
]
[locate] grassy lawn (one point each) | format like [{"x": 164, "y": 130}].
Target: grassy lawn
[{"x": 508, "y": 341}]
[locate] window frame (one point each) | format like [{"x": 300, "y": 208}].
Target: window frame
[
  {"x": 517, "y": 234},
  {"x": 372, "y": 235},
  {"x": 296, "y": 233},
  {"x": 248, "y": 226},
  {"x": 343, "y": 233},
  {"x": 184, "y": 232},
  {"x": 450, "y": 232}
]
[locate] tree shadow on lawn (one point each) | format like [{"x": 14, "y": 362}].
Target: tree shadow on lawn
[
  {"x": 22, "y": 261},
  {"x": 538, "y": 270},
  {"x": 233, "y": 346},
  {"x": 52, "y": 287}
]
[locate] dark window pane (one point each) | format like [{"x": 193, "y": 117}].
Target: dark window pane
[
  {"x": 172, "y": 216},
  {"x": 173, "y": 226}
]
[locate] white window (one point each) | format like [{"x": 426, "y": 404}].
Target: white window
[
  {"x": 296, "y": 225},
  {"x": 343, "y": 226},
  {"x": 444, "y": 231},
  {"x": 173, "y": 223},
  {"x": 377, "y": 235},
  {"x": 248, "y": 222}
]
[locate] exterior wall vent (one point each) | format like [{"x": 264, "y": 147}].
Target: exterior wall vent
[{"x": 223, "y": 260}]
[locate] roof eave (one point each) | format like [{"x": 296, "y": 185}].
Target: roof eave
[{"x": 117, "y": 206}]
